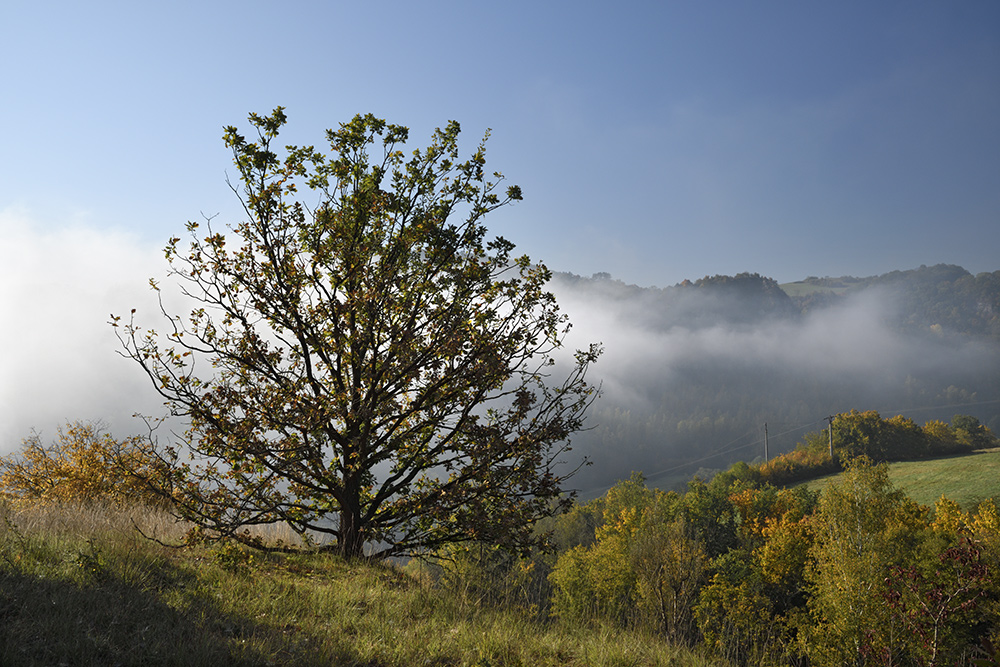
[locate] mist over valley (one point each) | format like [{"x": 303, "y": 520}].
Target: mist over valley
[{"x": 691, "y": 373}]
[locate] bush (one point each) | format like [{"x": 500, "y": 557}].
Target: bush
[
  {"x": 973, "y": 434},
  {"x": 800, "y": 464},
  {"x": 643, "y": 570},
  {"x": 85, "y": 465}
]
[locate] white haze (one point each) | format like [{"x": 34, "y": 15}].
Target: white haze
[
  {"x": 850, "y": 340},
  {"x": 58, "y": 288},
  {"x": 60, "y": 357},
  {"x": 690, "y": 376}
]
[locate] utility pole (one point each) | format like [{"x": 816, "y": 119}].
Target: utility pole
[
  {"x": 830, "y": 419},
  {"x": 765, "y": 442}
]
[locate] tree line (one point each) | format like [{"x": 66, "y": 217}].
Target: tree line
[
  {"x": 859, "y": 574},
  {"x": 855, "y": 434}
]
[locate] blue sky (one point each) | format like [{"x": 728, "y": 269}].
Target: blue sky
[{"x": 654, "y": 141}]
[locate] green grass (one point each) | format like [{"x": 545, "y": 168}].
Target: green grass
[
  {"x": 82, "y": 587},
  {"x": 968, "y": 480}
]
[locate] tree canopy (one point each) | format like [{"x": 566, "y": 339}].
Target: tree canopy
[{"x": 370, "y": 364}]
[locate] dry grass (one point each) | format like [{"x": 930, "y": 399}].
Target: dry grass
[
  {"x": 80, "y": 586},
  {"x": 69, "y": 520}
]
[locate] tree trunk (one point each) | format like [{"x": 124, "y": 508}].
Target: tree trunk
[{"x": 351, "y": 542}]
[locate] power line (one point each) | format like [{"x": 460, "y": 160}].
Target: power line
[
  {"x": 710, "y": 456},
  {"x": 728, "y": 451},
  {"x": 942, "y": 407},
  {"x": 786, "y": 432},
  {"x": 683, "y": 465}
]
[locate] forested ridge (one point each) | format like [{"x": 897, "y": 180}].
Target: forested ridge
[{"x": 930, "y": 298}]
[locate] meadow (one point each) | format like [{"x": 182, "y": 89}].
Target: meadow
[
  {"x": 734, "y": 571},
  {"x": 82, "y": 586},
  {"x": 967, "y": 480}
]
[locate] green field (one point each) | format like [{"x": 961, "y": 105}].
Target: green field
[{"x": 967, "y": 479}]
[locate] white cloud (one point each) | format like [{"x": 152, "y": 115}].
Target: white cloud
[
  {"x": 58, "y": 287},
  {"x": 850, "y": 342}
]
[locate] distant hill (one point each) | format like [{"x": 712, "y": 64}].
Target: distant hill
[
  {"x": 741, "y": 299},
  {"x": 943, "y": 296},
  {"x": 693, "y": 372}
]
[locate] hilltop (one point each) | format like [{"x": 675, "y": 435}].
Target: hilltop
[
  {"x": 79, "y": 585},
  {"x": 935, "y": 298}
]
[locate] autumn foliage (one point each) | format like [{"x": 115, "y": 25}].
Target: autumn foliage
[
  {"x": 366, "y": 364},
  {"x": 757, "y": 575},
  {"x": 752, "y": 573},
  {"x": 84, "y": 464},
  {"x": 868, "y": 434}
]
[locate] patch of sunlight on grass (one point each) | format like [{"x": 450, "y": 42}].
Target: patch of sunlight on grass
[{"x": 967, "y": 479}]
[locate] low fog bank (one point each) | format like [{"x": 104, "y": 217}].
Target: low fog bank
[
  {"x": 60, "y": 362},
  {"x": 692, "y": 373}
]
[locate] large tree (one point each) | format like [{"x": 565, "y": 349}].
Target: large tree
[{"x": 369, "y": 364}]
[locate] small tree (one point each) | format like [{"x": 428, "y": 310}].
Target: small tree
[
  {"x": 938, "y": 608},
  {"x": 84, "y": 464},
  {"x": 863, "y": 525},
  {"x": 973, "y": 434},
  {"x": 375, "y": 357},
  {"x": 669, "y": 567}
]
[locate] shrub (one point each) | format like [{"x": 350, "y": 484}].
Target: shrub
[
  {"x": 84, "y": 464},
  {"x": 973, "y": 434},
  {"x": 800, "y": 464}
]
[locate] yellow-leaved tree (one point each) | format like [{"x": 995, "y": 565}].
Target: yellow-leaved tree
[
  {"x": 644, "y": 569},
  {"x": 84, "y": 464},
  {"x": 863, "y": 527}
]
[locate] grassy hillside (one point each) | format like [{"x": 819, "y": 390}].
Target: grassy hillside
[
  {"x": 82, "y": 587},
  {"x": 967, "y": 479}
]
